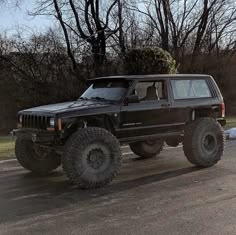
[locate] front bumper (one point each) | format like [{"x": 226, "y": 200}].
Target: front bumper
[{"x": 36, "y": 136}]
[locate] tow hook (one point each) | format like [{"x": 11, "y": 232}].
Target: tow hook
[
  {"x": 34, "y": 137},
  {"x": 85, "y": 125},
  {"x": 12, "y": 134}
]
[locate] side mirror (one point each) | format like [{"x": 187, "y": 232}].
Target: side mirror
[{"x": 133, "y": 99}]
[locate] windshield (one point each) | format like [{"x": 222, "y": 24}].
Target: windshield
[{"x": 106, "y": 90}]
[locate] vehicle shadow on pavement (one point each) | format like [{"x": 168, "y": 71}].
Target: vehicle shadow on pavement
[{"x": 125, "y": 185}]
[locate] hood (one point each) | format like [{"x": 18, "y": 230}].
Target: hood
[{"x": 70, "y": 107}]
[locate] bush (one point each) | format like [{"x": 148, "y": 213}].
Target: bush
[{"x": 149, "y": 61}]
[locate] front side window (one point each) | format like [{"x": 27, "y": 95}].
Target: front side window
[
  {"x": 147, "y": 91},
  {"x": 190, "y": 89},
  {"x": 110, "y": 90}
]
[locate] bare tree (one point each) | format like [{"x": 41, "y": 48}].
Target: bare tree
[
  {"x": 121, "y": 28},
  {"x": 87, "y": 20},
  {"x": 93, "y": 29},
  {"x": 40, "y": 58},
  {"x": 181, "y": 26},
  {"x": 10, "y": 3}
]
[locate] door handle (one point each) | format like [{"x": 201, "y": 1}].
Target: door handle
[{"x": 165, "y": 105}]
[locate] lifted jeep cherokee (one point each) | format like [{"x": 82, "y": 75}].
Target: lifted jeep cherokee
[{"x": 142, "y": 111}]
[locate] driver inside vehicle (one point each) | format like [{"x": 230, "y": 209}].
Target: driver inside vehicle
[
  {"x": 151, "y": 94},
  {"x": 148, "y": 91}
]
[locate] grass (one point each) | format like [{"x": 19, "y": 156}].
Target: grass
[
  {"x": 231, "y": 122},
  {"x": 7, "y": 146}
]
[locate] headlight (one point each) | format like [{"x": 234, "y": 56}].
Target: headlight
[
  {"x": 20, "y": 119},
  {"x": 52, "y": 122}
]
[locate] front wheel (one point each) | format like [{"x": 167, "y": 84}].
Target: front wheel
[
  {"x": 147, "y": 149},
  {"x": 203, "y": 142},
  {"x": 92, "y": 157},
  {"x": 35, "y": 159}
]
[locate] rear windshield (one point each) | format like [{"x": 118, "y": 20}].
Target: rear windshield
[{"x": 190, "y": 89}]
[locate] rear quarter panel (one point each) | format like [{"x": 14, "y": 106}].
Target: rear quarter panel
[{"x": 182, "y": 109}]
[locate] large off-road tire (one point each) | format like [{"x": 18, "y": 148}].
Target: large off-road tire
[
  {"x": 147, "y": 149},
  {"x": 172, "y": 142},
  {"x": 203, "y": 142},
  {"x": 92, "y": 157},
  {"x": 34, "y": 159}
]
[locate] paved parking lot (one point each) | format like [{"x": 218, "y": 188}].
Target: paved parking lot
[{"x": 165, "y": 195}]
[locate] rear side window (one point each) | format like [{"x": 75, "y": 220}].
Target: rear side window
[{"x": 190, "y": 89}]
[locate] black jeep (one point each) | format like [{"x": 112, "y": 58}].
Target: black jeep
[{"x": 142, "y": 111}]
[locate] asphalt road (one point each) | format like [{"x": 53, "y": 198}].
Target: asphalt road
[{"x": 165, "y": 195}]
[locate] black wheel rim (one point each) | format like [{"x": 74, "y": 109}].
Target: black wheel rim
[
  {"x": 97, "y": 158},
  {"x": 209, "y": 143},
  {"x": 40, "y": 154}
]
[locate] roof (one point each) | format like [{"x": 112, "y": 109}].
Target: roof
[{"x": 153, "y": 76}]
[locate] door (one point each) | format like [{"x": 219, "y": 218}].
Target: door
[{"x": 148, "y": 116}]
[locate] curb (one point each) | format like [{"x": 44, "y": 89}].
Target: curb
[{"x": 5, "y": 161}]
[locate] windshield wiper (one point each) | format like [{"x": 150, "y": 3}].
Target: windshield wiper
[
  {"x": 103, "y": 99},
  {"x": 93, "y": 98},
  {"x": 98, "y": 98},
  {"x": 83, "y": 98}
]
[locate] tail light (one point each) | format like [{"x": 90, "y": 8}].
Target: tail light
[
  {"x": 59, "y": 124},
  {"x": 223, "y": 110}
]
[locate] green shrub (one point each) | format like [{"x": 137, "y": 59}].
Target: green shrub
[{"x": 149, "y": 61}]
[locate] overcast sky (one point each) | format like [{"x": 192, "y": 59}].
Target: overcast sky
[{"x": 10, "y": 18}]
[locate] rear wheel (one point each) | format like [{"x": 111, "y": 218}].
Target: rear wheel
[
  {"x": 34, "y": 158},
  {"x": 92, "y": 157},
  {"x": 204, "y": 142},
  {"x": 173, "y": 142},
  {"x": 147, "y": 149}
]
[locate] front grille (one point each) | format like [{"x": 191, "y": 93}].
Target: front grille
[{"x": 35, "y": 121}]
